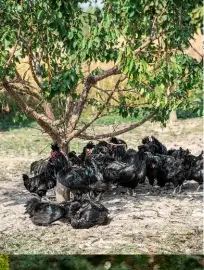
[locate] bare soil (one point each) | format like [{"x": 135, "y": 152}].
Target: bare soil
[{"x": 142, "y": 224}]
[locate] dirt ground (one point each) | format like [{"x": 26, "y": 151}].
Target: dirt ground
[{"x": 142, "y": 224}]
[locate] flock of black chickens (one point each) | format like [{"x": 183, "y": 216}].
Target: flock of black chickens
[{"x": 101, "y": 167}]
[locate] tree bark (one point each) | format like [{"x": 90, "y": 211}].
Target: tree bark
[
  {"x": 64, "y": 147},
  {"x": 62, "y": 192},
  {"x": 45, "y": 122},
  {"x": 173, "y": 117},
  {"x": 85, "y": 136}
]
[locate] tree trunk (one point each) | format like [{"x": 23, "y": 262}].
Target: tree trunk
[
  {"x": 173, "y": 117},
  {"x": 64, "y": 147},
  {"x": 62, "y": 192}
]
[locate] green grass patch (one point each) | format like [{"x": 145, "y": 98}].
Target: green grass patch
[
  {"x": 116, "y": 119},
  {"x": 111, "y": 119},
  {"x": 4, "y": 262},
  {"x": 30, "y": 141}
]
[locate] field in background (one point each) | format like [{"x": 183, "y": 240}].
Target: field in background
[{"x": 31, "y": 141}]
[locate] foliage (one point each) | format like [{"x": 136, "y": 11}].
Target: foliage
[
  {"x": 11, "y": 117},
  {"x": 183, "y": 262},
  {"x": 197, "y": 16},
  {"x": 118, "y": 262},
  {"x": 190, "y": 113},
  {"x": 4, "y": 262},
  {"x": 141, "y": 42},
  {"x": 38, "y": 262}
]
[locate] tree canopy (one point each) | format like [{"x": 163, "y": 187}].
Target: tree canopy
[{"x": 140, "y": 47}]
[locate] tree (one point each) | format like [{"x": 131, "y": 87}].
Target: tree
[{"x": 143, "y": 41}]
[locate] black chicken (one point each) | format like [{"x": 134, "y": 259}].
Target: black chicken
[
  {"x": 178, "y": 153},
  {"x": 45, "y": 172},
  {"x": 130, "y": 156},
  {"x": 154, "y": 168},
  {"x": 161, "y": 148},
  {"x": 102, "y": 147},
  {"x": 36, "y": 184},
  {"x": 127, "y": 175},
  {"x": 81, "y": 180},
  {"x": 102, "y": 155},
  {"x": 171, "y": 171},
  {"x": 153, "y": 145},
  {"x": 196, "y": 168},
  {"x": 81, "y": 214},
  {"x": 74, "y": 159},
  {"x": 87, "y": 214},
  {"x": 193, "y": 164},
  {"x": 42, "y": 213},
  {"x": 118, "y": 148},
  {"x": 87, "y": 151},
  {"x": 165, "y": 169}
]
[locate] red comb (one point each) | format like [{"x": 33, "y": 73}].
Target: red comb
[{"x": 53, "y": 154}]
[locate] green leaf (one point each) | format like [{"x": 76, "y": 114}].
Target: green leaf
[
  {"x": 90, "y": 42},
  {"x": 132, "y": 14},
  {"x": 124, "y": 114},
  {"x": 131, "y": 65},
  {"x": 6, "y": 43},
  {"x": 39, "y": 14},
  {"x": 19, "y": 8},
  {"x": 197, "y": 100},
  {"x": 83, "y": 44},
  {"x": 75, "y": 96},
  {"x": 70, "y": 34}
]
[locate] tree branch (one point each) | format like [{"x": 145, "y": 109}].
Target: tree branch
[
  {"x": 15, "y": 46},
  {"x": 116, "y": 133},
  {"x": 47, "y": 106},
  {"x": 99, "y": 112},
  {"x": 90, "y": 81},
  {"x": 78, "y": 106},
  {"x": 30, "y": 57},
  {"x": 25, "y": 73},
  {"x": 112, "y": 71},
  {"x": 68, "y": 112},
  {"x": 106, "y": 92},
  {"x": 148, "y": 41},
  {"x": 41, "y": 119},
  {"x": 148, "y": 86},
  {"x": 27, "y": 91},
  {"x": 195, "y": 49}
]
